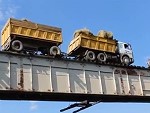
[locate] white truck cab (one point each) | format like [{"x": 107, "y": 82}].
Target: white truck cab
[{"x": 126, "y": 53}]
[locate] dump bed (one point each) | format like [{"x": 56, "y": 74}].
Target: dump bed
[
  {"x": 92, "y": 42},
  {"x": 28, "y": 29}
]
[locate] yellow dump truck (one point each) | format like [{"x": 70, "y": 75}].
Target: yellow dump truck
[
  {"x": 26, "y": 36},
  {"x": 101, "y": 47}
]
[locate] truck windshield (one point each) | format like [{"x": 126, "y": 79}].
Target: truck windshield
[{"x": 127, "y": 46}]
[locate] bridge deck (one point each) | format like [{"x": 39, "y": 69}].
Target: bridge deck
[{"x": 27, "y": 77}]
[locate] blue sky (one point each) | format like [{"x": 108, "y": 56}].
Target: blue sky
[{"x": 129, "y": 20}]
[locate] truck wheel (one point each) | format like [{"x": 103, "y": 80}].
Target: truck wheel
[
  {"x": 54, "y": 50},
  {"x": 16, "y": 45},
  {"x": 90, "y": 55},
  {"x": 101, "y": 57},
  {"x": 126, "y": 60}
]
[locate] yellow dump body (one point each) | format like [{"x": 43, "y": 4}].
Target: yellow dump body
[
  {"x": 94, "y": 43},
  {"x": 28, "y": 29}
]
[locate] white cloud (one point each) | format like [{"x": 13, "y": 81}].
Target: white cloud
[
  {"x": 33, "y": 105},
  {"x": 7, "y": 9}
]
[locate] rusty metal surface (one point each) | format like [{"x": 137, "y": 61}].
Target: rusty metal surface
[{"x": 33, "y": 77}]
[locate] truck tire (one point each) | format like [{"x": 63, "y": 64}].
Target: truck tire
[
  {"x": 90, "y": 55},
  {"x": 16, "y": 45},
  {"x": 54, "y": 50},
  {"x": 101, "y": 57},
  {"x": 126, "y": 60}
]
